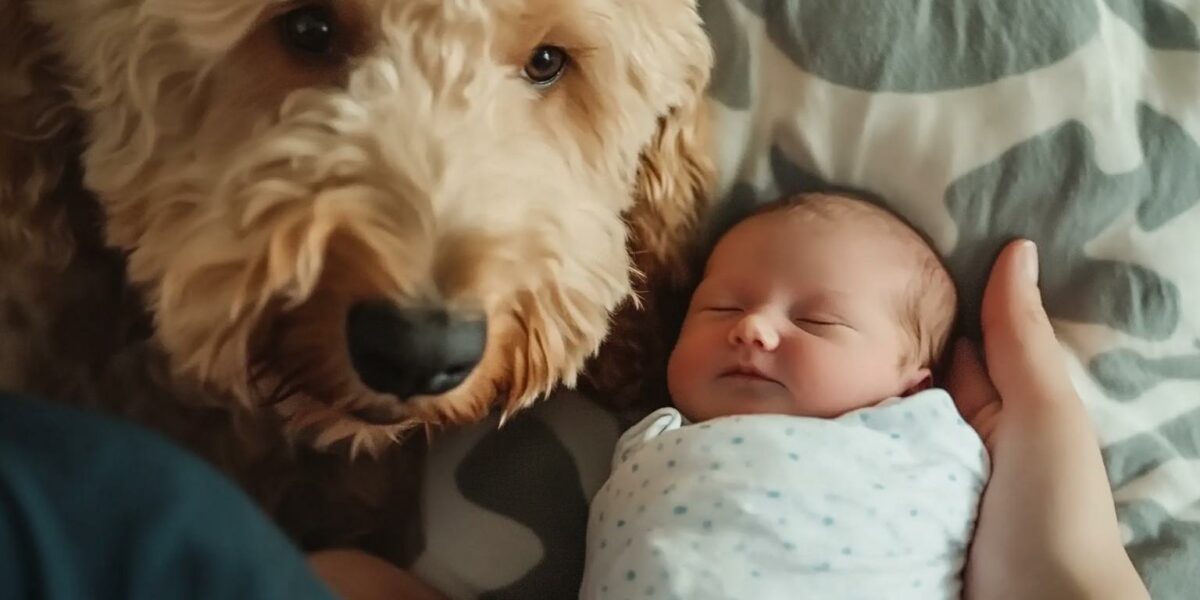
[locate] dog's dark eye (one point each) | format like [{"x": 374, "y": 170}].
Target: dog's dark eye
[
  {"x": 309, "y": 30},
  {"x": 546, "y": 65}
]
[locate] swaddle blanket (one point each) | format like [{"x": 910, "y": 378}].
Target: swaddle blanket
[{"x": 877, "y": 503}]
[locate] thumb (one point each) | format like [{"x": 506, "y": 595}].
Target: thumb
[
  {"x": 1024, "y": 360},
  {"x": 1012, "y": 302}
]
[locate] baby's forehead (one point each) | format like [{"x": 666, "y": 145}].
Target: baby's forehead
[
  {"x": 839, "y": 222},
  {"x": 836, "y": 211},
  {"x": 823, "y": 285},
  {"x": 848, "y": 234}
]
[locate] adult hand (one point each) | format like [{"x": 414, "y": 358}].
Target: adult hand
[
  {"x": 356, "y": 575},
  {"x": 1047, "y": 524}
]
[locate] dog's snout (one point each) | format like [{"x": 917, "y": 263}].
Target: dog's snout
[{"x": 410, "y": 352}]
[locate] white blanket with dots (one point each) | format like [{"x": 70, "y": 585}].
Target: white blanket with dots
[{"x": 877, "y": 503}]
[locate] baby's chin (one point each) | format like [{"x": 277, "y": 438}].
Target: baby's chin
[
  {"x": 728, "y": 397},
  {"x": 745, "y": 398}
]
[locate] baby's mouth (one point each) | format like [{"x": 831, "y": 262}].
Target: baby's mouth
[{"x": 748, "y": 372}]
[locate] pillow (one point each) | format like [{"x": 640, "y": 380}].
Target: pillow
[{"x": 1073, "y": 123}]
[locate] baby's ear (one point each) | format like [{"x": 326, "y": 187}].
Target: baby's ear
[{"x": 919, "y": 379}]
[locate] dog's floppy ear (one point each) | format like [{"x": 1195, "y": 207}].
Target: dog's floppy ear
[
  {"x": 38, "y": 128},
  {"x": 673, "y": 182},
  {"x": 675, "y": 177},
  {"x": 671, "y": 194}
]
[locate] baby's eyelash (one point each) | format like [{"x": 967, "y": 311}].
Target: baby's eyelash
[{"x": 823, "y": 323}]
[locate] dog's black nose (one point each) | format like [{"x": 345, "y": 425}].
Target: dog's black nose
[{"x": 412, "y": 351}]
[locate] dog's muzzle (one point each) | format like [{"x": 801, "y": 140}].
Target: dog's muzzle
[{"x": 410, "y": 352}]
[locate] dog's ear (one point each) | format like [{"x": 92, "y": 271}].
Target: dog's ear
[
  {"x": 38, "y": 130},
  {"x": 671, "y": 194},
  {"x": 674, "y": 180},
  {"x": 675, "y": 176}
]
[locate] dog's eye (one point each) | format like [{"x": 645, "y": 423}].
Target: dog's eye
[
  {"x": 546, "y": 65},
  {"x": 309, "y": 30}
]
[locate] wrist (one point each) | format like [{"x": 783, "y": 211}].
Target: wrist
[{"x": 1113, "y": 578}]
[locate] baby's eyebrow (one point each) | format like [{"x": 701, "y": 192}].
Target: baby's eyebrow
[
  {"x": 725, "y": 281},
  {"x": 826, "y": 298},
  {"x": 835, "y": 295},
  {"x": 844, "y": 306},
  {"x": 708, "y": 289}
]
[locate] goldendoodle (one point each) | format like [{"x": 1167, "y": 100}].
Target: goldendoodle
[{"x": 252, "y": 222}]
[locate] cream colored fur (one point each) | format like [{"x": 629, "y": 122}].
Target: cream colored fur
[{"x": 255, "y": 196}]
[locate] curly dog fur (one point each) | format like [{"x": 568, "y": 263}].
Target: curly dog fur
[{"x": 193, "y": 196}]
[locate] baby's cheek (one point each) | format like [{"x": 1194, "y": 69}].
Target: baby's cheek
[
  {"x": 681, "y": 368},
  {"x": 834, "y": 382}
]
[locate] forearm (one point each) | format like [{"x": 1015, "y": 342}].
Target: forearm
[
  {"x": 1054, "y": 512},
  {"x": 1047, "y": 524}
]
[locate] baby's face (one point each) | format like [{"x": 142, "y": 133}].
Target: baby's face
[{"x": 796, "y": 315}]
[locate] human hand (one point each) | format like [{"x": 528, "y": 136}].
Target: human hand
[
  {"x": 356, "y": 575},
  {"x": 1047, "y": 526}
]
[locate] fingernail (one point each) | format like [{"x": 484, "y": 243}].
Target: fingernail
[{"x": 1030, "y": 258}]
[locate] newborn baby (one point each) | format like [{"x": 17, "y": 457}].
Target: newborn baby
[{"x": 807, "y": 454}]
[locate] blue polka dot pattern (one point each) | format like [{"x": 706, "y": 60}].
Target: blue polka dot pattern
[{"x": 881, "y": 499}]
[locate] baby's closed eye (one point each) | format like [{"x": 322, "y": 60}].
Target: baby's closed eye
[
  {"x": 822, "y": 322},
  {"x": 721, "y": 308}
]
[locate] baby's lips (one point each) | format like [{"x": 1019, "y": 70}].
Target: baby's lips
[{"x": 749, "y": 370}]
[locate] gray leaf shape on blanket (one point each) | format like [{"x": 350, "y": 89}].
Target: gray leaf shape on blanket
[
  {"x": 925, "y": 45},
  {"x": 1164, "y": 26},
  {"x": 730, "y": 78},
  {"x": 1164, "y": 549},
  {"x": 1143, "y": 453},
  {"x": 1051, "y": 190},
  {"x": 500, "y": 474},
  {"x": 1126, "y": 375}
]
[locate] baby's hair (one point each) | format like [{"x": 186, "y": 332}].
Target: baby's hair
[{"x": 927, "y": 308}]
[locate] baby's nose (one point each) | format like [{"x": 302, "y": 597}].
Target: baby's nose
[{"x": 754, "y": 330}]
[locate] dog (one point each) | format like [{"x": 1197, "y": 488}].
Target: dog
[{"x": 289, "y": 233}]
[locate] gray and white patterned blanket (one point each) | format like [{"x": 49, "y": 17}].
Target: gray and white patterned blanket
[{"x": 1075, "y": 123}]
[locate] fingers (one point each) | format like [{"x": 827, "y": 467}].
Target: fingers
[
  {"x": 1024, "y": 359},
  {"x": 972, "y": 390},
  {"x": 967, "y": 381}
]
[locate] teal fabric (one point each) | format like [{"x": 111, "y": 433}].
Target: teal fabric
[{"x": 92, "y": 508}]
